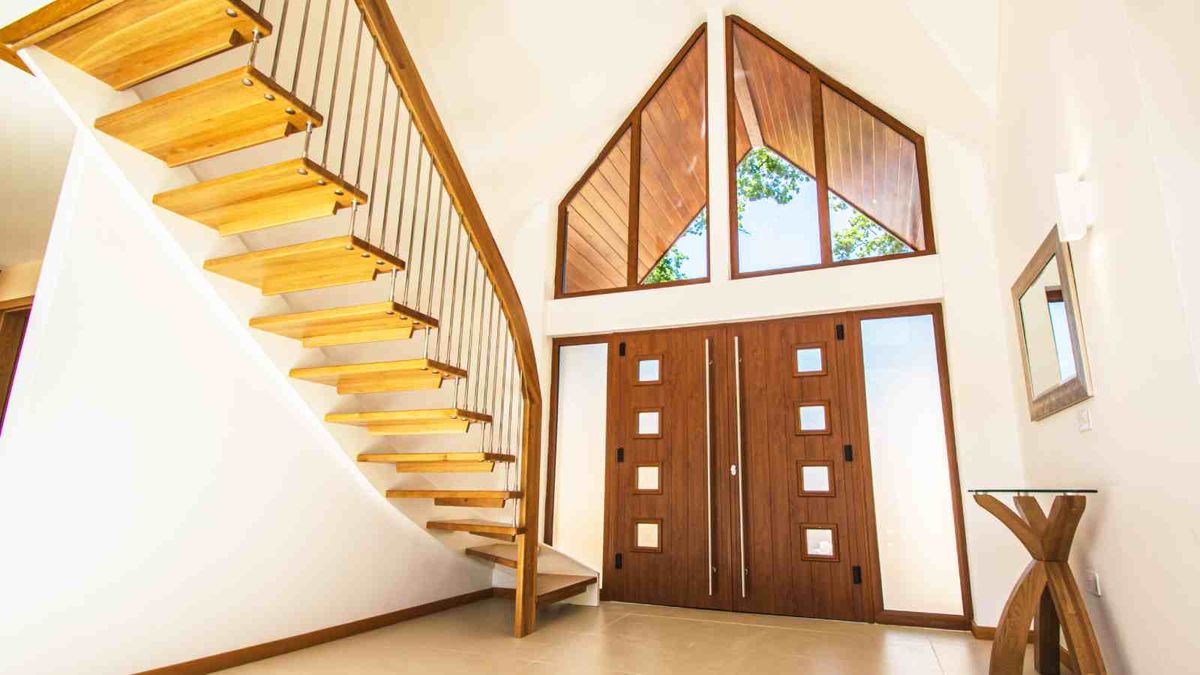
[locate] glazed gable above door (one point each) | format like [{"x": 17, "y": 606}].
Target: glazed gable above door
[{"x": 817, "y": 176}]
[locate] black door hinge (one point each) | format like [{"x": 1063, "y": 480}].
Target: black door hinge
[
  {"x": 848, "y": 452},
  {"x": 620, "y": 454},
  {"x": 856, "y": 570},
  {"x": 840, "y": 331},
  {"x": 621, "y": 349},
  {"x": 619, "y": 562}
]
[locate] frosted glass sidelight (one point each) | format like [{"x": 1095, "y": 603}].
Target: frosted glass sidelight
[
  {"x": 918, "y": 551},
  {"x": 648, "y": 423}
]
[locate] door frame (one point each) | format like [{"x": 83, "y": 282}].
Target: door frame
[{"x": 875, "y": 590}]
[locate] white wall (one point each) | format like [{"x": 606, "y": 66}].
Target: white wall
[{"x": 1109, "y": 88}]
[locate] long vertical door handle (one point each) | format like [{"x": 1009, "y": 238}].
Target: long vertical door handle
[
  {"x": 708, "y": 452},
  {"x": 737, "y": 393}
]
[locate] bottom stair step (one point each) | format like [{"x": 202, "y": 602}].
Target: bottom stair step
[
  {"x": 501, "y": 554},
  {"x": 482, "y": 528},
  {"x": 554, "y": 587}
]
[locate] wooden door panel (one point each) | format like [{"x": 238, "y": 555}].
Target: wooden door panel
[
  {"x": 675, "y": 572},
  {"x": 782, "y": 575}
]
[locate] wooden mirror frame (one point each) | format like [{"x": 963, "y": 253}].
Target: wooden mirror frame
[{"x": 1078, "y": 388}]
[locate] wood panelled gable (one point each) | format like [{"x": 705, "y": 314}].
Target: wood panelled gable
[
  {"x": 674, "y": 159},
  {"x": 597, "y": 223},
  {"x": 874, "y": 168},
  {"x": 773, "y": 102},
  {"x": 611, "y": 236}
]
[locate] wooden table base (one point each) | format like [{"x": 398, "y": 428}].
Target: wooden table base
[{"x": 1046, "y": 591}]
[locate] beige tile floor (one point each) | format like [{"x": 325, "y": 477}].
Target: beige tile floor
[{"x": 621, "y": 638}]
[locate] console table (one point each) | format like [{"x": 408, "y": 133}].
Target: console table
[{"x": 1047, "y": 590}]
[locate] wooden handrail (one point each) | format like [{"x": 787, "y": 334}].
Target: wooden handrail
[{"x": 382, "y": 24}]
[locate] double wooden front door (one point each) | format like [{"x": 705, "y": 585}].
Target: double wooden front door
[{"x": 731, "y": 482}]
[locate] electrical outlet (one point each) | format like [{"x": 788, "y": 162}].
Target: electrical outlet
[
  {"x": 1091, "y": 581},
  {"x": 1085, "y": 420}
]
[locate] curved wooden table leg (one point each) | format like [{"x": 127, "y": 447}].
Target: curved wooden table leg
[
  {"x": 1012, "y": 635},
  {"x": 1081, "y": 638},
  {"x": 1047, "y": 589}
]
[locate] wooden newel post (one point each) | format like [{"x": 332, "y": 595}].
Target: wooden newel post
[{"x": 1046, "y": 591}]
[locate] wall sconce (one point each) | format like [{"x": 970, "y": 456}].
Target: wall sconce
[{"x": 1076, "y": 206}]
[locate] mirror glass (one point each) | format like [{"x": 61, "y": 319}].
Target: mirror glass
[{"x": 1047, "y": 334}]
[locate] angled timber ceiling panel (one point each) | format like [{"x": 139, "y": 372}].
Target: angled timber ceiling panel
[
  {"x": 874, "y": 168},
  {"x": 648, "y": 186},
  {"x": 674, "y": 159},
  {"x": 772, "y": 101},
  {"x": 597, "y": 223}
]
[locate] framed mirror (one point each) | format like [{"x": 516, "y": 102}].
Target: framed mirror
[{"x": 1050, "y": 331}]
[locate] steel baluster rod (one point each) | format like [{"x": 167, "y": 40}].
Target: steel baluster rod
[
  {"x": 412, "y": 230},
  {"x": 437, "y": 346},
  {"x": 387, "y": 200},
  {"x": 375, "y": 164},
  {"x": 424, "y": 236},
  {"x": 466, "y": 330},
  {"x": 425, "y": 239},
  {"x": 300, "y": 50},
  {"x": 279, "y": 38},
  {"x": 461, "y": 318},
  {"x": 255, "y": 39},
  {"x": 337, "y": 75},
  {"x": 498, "y": 441},
  {"x": 491, "y": 389},
  {"x": 437, "y": 236},
  {"x": 362, "y": 145},
  {"x": 350, "y": 103},
  {"x": 400, "y": 213},
  {"x": 485, "y": 320},
  {"x": 445, "y": 320},
  {"x": 321, "y": 53},
  {"x": 476, "y": 335}
]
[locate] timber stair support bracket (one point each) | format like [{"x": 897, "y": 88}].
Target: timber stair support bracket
[
  {"x": 383, "y": 376},
  {"x": 336, "y": 261},
  {"x": 412, "y": 422},
  {"x": 484, "y": 499},
  {"x": 356, "y": 324}
]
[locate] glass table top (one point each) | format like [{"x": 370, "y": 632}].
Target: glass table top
[{"x": 1034, "y": 491}]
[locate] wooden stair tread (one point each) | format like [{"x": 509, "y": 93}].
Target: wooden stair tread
[
  {"x": 311, "y": 265},
  {"x": 406, "y": 422},
  {"x": 137, "y": 40},
  {"x": 211, "y": 117},
  {"x": 476, "y": 526},
  {"x": 347, "y": 325},
  {"x": 283, "y": 193},
  {"x": 460, "y": 494},
  {"x": 367, "y": 378},
  {"x": 423, "y": 457},
  {"x": 554, "y": 587},
  {"x": 501, "y": 554}
]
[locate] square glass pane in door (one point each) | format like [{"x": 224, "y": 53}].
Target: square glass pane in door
[
  {"x": 649, "y": 370},
  {"x": 810, "y": 360},
  {"x": 812, "y": 418},
  {"x": 649, "y": 423},
  {"x": 820, "y": 542},
  {"x": 647, "y": 536},
  {"x": 816, "y": 478},
  {"x": 648, "y": 479}
]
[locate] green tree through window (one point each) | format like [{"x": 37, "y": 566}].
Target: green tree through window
[{"x": 861, "y": 237}]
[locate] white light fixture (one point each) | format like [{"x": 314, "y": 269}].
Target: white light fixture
[{"x": 1076, "y": 206}]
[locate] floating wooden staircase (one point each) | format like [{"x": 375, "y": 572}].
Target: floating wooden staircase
[
  {"x": 232, "y": 111},
  {"x": 128, "y": 42},
  {"x": 412, "y": 422},
  {"x": 137, "y": 40},
  {"x": 288, "y": 192},
  {"x": 372, "y": 378},
  {"x": 374, "y": 322},
  {"x": 304, "y": 267},
  {"x": 439, "y": 462}
]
